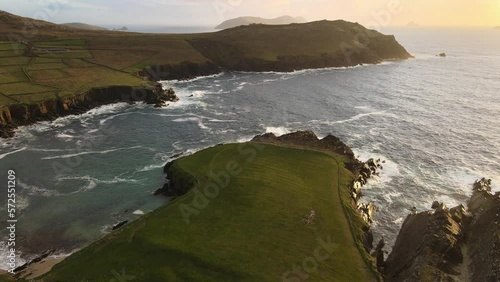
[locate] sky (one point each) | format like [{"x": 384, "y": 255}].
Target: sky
[{"x": 372, "y": 13}]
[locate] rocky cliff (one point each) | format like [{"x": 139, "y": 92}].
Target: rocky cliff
[
  {"x": 183, "y": 70},
  {"x": 15, "y": 115},
  {"x": 456, "y": 244}
]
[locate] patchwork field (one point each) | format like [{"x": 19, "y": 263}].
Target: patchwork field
[{"x": 50, "y": 69}]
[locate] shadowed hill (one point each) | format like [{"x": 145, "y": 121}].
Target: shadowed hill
[
  {"x": 257, "y": 20},
  {"x": 298, "y": 46}
]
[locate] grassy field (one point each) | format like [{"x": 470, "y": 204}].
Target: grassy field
[
  {"x": 276, "y": 216},
  {"x": 32, "y": 79}
]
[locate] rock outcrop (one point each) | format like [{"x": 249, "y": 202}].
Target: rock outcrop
[
  {"x": 456, "y": 244},
  {"x": 184, "y": 70}
]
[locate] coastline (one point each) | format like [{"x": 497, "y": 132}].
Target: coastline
[{"x": 15, "y": 115}]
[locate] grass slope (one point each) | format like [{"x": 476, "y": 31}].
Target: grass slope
[{"x": 253, "y": 229}]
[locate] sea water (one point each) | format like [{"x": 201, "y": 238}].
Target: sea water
[{"x": 434, "y": 120}]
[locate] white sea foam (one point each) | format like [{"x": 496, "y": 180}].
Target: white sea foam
[
  {"x": 90, "y": 153},
  {"x": 93, "y": 182},
  {"x": 169, "y": 83},
  {"x": 389, "y": 169},
  {"x": 398, "y": 220},
  {"x": 354, "y": 118},
  {"x": 198, "y": 93},
  {"x": 34, "y": 190},
  {"x": 104, "y": 120},
  {"x": 150, "y": 167},
  {"x": 278, "y": 131},
  {"x": 13, "y": 152},
  {"x": 244, "y": 139},
  {"x": 63, "y": 135},
  {"x": 195, "y": 119}
]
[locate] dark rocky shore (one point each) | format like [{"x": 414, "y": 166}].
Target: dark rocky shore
[{"x": 450, "y": 244}]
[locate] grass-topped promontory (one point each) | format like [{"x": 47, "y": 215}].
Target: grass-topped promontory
[{"x": 255, "y": 213}]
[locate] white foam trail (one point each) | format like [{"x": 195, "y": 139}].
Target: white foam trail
[
  {"x": 4, "y": 252},
  {"x": 198, "y": 93},
  {"x": 13, "y": 152},
  {"x": 244, "y": 139},
  {"x": 221, "y": 120},
  {"x": 89, "y": 153},
  {"x": 151, "y": 167},
  {"x": 104, "y": 120},
  {"x": 64, "y": 136},
  {"x": 168, "y": 83},
  {"x": 356, "y": 117},
  {"x": 48, "y": 150},
  {"x": 92, "y": 182},
  {"x": 196, "y": 119}
]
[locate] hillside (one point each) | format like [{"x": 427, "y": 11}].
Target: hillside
[
  {"x": 251, "y": 212},
  {"x": 44, "y": 66},
  {"x": 257, "y": 20},
  {"x": 84, "y": 26},
  {"x": 297, "y": 46}
]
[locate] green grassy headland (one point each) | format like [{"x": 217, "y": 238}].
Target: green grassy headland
[{"x": 254, "y": 212}]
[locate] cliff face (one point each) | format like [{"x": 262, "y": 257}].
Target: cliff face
[
  {"x": 184, "y": 70},
  {"x": 20, "y": 114},
  {"x": 450, "y": 244}
]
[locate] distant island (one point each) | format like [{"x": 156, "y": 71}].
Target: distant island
[
  {"x": 84, "y": 26},
  {"x": 497, "y": 27},
  {"x": 257, "y": 20},
  {"x": 123, "y": 28},
  {"x": 412, "y": 24}
]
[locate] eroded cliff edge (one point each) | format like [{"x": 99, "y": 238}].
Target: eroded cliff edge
[
  {"x": 450, "y": 244},
  {"x": 14, "y": 115}
]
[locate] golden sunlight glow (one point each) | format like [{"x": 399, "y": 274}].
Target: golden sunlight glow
[{"x": 394, "y": 12}]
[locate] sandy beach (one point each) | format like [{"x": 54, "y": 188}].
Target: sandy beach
[{"x": 39, "y": 268}]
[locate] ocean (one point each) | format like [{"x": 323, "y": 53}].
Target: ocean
[{"x": 434, "y": 120}]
